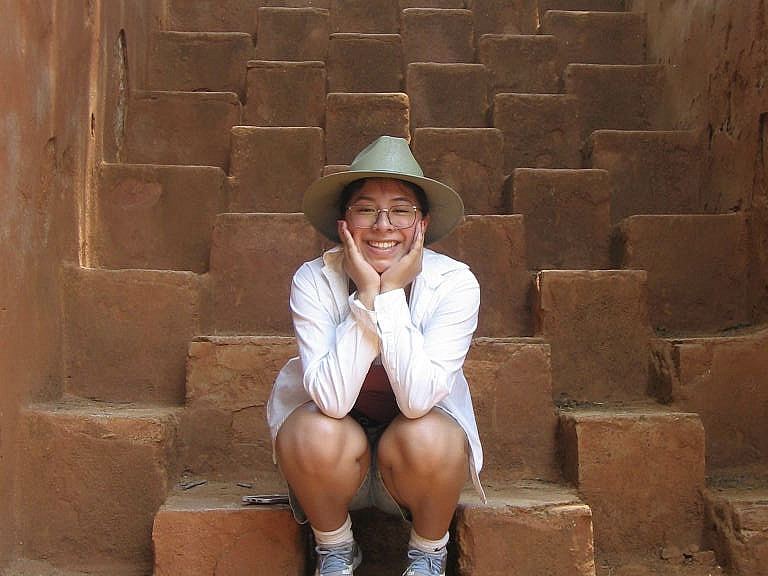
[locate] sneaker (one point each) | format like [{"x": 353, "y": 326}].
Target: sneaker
[
  {"x": 426, "y": 563},
  {"x": 338, "y": 560}
]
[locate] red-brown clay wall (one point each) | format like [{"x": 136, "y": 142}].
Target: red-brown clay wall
[{"x": 720, "y": 50}]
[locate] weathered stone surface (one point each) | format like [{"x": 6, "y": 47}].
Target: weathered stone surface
[
  {"x": 437, "y": 35},
  {"x": 213, "y": 15},
  {"x": 641, "y": 471},
  {"x": 365, "y": 63},
  {"x": 520, "y": 64},
  {"x": 567, "y": 217},
  {"x": 697, "y": 266},
  {"x": 156, "y": 217},
  {"x": 292, "y": 34},
  {"x": 504, "y": 17},
  {"x": 263, "y": 181},
  {"x": 467, "y": 159},
  {"x": 592, "y": 5},
  {"x": 580, "y": 313},
  {"x": 370, "y": 17},
  {"x": 272, "y": 90},
  {"x": 126, "y": 332},
  {"x": 721, "y": 378}
]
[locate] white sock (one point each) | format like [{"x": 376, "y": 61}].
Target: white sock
[
  {"x": 425, "y": 545},
  {"x": 342, "y": 535}
]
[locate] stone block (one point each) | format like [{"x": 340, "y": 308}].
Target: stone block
[
  {"x": 540, "y": 130},
  {"x": 365, "y": 63},
  {"x": 447, "y": 95},
  {"x": 641, "y": 471},
  {"x": 505, "y": 282},
  {"x": 272, "y": 167},
  {"x": 455, "y": 4},
  {"x": 580, "y": 313},
  {"x": 213, "y": 15},
  {"x": 156, "y": 217},
  {"x": 199, "y": 61},
  {"x": 583, "y": 5},
  {"x": 355, "y": 120},
  {"x": 253, "y": 259},
  {"x": 370, "y": 17},
  {"x": 520, "y": 64},
  {"x": 272, "y": 90},
  {"x": 437, "y": 35},
  {"x": 567, "y": 217},
  {"x": 179, "y": 128},
  {"x": 292, "y": 34},
  {"x": 126, "y": 332},
  {"x": 504, "y": 16},
  {"x": 467, "y": 159},
  {"x": 696, "y": 264},
  {"x": 656, "y": 172}
]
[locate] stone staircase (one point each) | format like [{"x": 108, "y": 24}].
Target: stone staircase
[{"x": 617, "y": 379}]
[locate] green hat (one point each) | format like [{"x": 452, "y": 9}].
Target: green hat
[{"x": 386, "y": 157}]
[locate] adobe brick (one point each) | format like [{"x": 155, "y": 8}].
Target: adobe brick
[
  {"x": 369, "y": 17},
  {"x": 467, "y": 159},
  {"x": 365, "y": 63},
  {"x": 697, "y": 265},
  {"x": 294, "y": 34},
  {"x": 355, "y": 120},
  {"x": 505, "y": 282},
  {"x": 540, "y": 130},
  {"x": 210, "y": 16},
  {"x": 567, "y": 217},
  {"x": 520, "y": 64},
  {"x": 156, "y": 217},
  {"x": 265, "y": 181},
  {"x": 447, "y": 95},
  {"x": 272, "y": 88},
  {"x": 641, "y": 471},
  {"x": 580, "y": 312},
  {"x": 437, "y": 35},
  {"x": 504, "y": 16},
  {"x": 179, "y": 128}
]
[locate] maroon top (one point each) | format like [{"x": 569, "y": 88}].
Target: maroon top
[{"x": 376, "y": 399}]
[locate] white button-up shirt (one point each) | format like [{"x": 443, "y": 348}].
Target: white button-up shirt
[{"x": 422, "y": 344}]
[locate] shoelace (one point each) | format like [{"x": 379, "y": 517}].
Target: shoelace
[
  {"x": 336, "y": 560},
  {"x": 425, "y": 563}
]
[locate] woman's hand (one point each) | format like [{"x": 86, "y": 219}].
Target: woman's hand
[
  {"x": 403, "y": 272},
  {"x": 364, "y": 276}
]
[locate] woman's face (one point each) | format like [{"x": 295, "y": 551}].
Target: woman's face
[{"x": 383, "y": 245}]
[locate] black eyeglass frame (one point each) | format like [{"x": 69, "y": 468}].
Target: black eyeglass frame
[{"x": 386, "y": 210}]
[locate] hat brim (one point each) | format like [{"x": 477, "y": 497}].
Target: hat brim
[{"x": 321, "y": 202}]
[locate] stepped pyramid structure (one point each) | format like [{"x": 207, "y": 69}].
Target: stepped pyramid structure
[{"x": 611, "y": 157}]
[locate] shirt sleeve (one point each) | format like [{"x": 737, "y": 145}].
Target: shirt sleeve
[
  {"x": 335, "y": 353},
  {"x": 424, "y": 362}
]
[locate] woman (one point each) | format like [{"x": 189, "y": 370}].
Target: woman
[{"x": 376, "y": 411}]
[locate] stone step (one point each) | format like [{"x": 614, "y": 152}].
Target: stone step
[
  {"x": 447, "y": 95},
  {"x": 292, "y": 34},
  {"x": 567, "y": 217},
  {"x": 437, "y": 35},
  {"x": 207, "y": 530},
  {"x": 641, "y": 471},
  {"x": 540, "y": 130},
  {"x": 504, "y": 17},
  {"x": 272, "y": 87},
  {"x": 370, "y": 17},
  {"x": 736, "y": 519},
  {"x": 365, "y": 63},
  {"x": 597, "y": 37},
  {"x": 254, "y": 257},
  {"x": 696, "y": 268},
  {"x": 520, "y": 64},
  {"x": 272, "y": 167},
  {"x": 582, "y": 5},
  {"x": 579, "y": 313},
  {"x": 156, "y": 217},
  {"x": 104, "y": 469},
  {"x": 720, "y": 378},
  {"x": 125, "y": 332},
  {"x": 467, "y": 159},
  {"x": 652, "y": 172},
  {"x": 199, "y": 61},
  {"x": 190, "y": 128},
  {"x": 213, "y": 15},
  {"x": 224, "y": 435}
]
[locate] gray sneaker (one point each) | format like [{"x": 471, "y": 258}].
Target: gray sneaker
[
  {"x": 426, "y": 563},
  {"x": 338, "y": 560}
]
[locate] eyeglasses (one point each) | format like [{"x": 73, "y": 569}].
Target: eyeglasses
[{"x": 366, "y": 216}]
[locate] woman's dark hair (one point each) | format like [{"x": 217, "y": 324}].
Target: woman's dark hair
[{"x": 352, "y": 188}]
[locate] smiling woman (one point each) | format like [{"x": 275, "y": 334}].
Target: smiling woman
[{"x": 375, "y": 410}]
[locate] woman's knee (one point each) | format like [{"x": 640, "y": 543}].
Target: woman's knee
[{"x": 435, "y": 440}]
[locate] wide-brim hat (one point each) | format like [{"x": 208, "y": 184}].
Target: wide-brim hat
[{"x": 386, "y": 157}]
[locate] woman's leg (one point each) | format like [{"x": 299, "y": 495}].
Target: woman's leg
[
  {"x": 325, "y": 461},
  {"x": 424, "y": 463}
]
